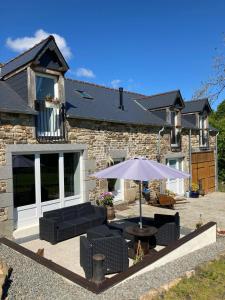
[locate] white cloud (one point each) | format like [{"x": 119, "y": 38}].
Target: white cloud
[
  {"x": 83, "y": 72},
  {"x": 25, "y": 43},
  {"x": 115, "y": 83}
]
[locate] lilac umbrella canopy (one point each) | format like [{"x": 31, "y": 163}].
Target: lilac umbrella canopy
[{"x": 140, "y": 169}]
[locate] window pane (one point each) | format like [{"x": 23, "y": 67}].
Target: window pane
[
  {"x": 49, "y": 176},
  {"x": 23, "y": 180},
  {"x": 71, "y": 174},
  {"x": 173, "y": 114},
  {"x": 44, "y": 87}
]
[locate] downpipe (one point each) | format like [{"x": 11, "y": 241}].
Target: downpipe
[
  {"x": 159, "y": 144},
  {"x": 190, "y": 161},
  {"x": 216, "y": 168},
  {"x": 159, "y": 151}
]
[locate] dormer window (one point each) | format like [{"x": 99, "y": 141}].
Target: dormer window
[
  {"x": 46, "y": 86},
  {"x": 50, "y": 124},
  {"x": 203, "y": 130},
  {"x": 175, "y": 131}
]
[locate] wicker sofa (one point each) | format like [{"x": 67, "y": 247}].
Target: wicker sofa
[
  {"x": 61, "y": 224},
  {"x": 114, "y": 248}
]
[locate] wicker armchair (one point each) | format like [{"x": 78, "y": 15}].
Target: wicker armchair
[
  {"x": 114, "y": 248},
  {"x": 168, "y": 228}
]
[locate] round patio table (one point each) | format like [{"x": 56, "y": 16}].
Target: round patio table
[{"x": 145, "y": 235}]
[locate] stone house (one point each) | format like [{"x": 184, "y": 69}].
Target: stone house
[{"x": 55, "y": 131}]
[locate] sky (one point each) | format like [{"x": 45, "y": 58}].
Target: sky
[{"x": 146, "y": 46}]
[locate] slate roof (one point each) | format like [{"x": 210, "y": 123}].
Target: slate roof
[
  {"x": 196, "y": 106},
  {"x": 104, "y": 105},
  {"x": 10, "y": 101},
  {"x": 25, "y": 57},
  {"x": 188, "y": 121},
  {"x": 160, "y": 100},
  {"x": 105, "y": 102}
]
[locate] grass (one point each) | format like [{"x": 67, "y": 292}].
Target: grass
[
  {"x": 207, "y": 284},
  {"x": 221, "y": 187}
]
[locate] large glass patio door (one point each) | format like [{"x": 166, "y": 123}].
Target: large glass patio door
[{"x": 43, "y": 182}]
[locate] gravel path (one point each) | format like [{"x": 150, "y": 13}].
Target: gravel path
[{"x": 31, "y": 280}]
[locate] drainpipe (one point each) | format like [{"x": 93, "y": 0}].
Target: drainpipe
[
  {"x": 159, "y": 144},
  {"x": 159, "y": 152},
  {"x": 190, "y": 169},
  {"x": 216, "y": 165}
]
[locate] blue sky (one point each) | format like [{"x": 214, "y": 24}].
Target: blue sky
[{"x": 145, "y": 46}]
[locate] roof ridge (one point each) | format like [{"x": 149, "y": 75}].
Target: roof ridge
[
  {"x": 195, "y": 100},
  {"x": 25, "y": 52},
  {"x": 159, "y": 94},
  {"x": 103, "y": 86}
]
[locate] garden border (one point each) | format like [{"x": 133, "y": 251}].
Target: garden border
[{"x": 109, "y": 282}]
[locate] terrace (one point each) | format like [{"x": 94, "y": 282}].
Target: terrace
[{"x": 66, "y": 254}]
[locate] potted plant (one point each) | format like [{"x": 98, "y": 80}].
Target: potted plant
[
  {"x": 106, "y": 200},
  {"x": 51, "y": 102},
  {"x": 194, "y": 193}
]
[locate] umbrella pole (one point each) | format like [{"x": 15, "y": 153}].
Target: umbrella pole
[{"x": 140, "y": 207}]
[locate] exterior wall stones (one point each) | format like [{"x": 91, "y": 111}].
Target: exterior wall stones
[
  {"x": 103, "y": 138},
  {"x": 14, "y": 129},
  {"x": 104, "y": 141}
]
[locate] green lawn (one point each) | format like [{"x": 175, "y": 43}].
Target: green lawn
[{"x": 207, "y": 284}]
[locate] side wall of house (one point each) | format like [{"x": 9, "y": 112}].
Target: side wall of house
[
  {"x": 103, "y": 140},
  {"x": 112, "y": 141}
]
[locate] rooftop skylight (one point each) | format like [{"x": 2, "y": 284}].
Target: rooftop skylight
[{"x": 83, "y": 94}]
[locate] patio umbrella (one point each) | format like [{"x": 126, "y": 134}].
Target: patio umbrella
[{"x": 140, "y": 169}]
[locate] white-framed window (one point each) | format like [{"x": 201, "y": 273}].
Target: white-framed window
[
  {"x": 168, "y": 116},
  {"x": 203, "y": 130},
  {"x": 55, "y": 175},
  {"x": 175, "y": 131},
  {"x": 46, "y": 85},
  {"x": 49, "y": 116}
]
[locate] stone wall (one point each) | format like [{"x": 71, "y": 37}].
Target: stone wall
[
  {"x": 104, "y": 141},
  {"x": 14, "y": 129}
]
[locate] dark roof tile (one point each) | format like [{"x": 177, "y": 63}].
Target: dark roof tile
[
  {"x": 24, "y": 58},
  {"x": 196, "y": 106},
  {"x": 10, "y": 101},
  {"x": 160, "y": 100},
  {"x": 104, "y": 105}
]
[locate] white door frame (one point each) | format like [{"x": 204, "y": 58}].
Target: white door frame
[
  {"x": 36, "y": 210},
  {"x": 179, "y": 182}
]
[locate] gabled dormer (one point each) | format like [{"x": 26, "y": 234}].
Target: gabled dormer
[
  {"x": 196, "y": 113},
  {"x": 37, "y": 75},
  {"x": 168, "y": 107}
]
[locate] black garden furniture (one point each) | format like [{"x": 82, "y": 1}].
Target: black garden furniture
[
  {"x": 168, "y": 227},
  {"x": 101, "y": 231},
  {"x": 114, "y": 248},
  {"x": 61, "y": 224}
]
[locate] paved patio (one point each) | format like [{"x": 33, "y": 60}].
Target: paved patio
[
  {"x": 67, "y": 254},
  {"x": 211, "y": 207}
]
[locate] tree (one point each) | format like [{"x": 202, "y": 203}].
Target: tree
[
  {"x": 214, "y": 86},
  {"x": 217, "y": 120}
]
